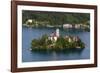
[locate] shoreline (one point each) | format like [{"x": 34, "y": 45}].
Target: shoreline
[{"x": 28, "y": 26}]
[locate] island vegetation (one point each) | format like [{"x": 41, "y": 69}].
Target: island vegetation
[{"x": 62, "y": 43}]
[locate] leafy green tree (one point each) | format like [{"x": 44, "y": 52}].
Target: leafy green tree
[{"x": 55, "y": 18}]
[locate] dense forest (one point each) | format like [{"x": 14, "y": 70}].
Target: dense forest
[
  {"x": 55, "y": 18},
  {"x": 62, "y": 44}
]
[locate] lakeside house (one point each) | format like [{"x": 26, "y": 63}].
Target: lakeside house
[
  {"x": 36, "y": 23},
  {"x": 77, "y": 26},
  {"x": 67, "y": 25},
  {"x": 29, "y": 20}
]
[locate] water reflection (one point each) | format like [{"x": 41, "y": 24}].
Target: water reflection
[{"x": 65, "y": 51}]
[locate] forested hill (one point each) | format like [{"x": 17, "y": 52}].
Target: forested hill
[{"x": 56, "y": 18}]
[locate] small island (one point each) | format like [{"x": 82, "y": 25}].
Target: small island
[{"x": 56, "y": 42}]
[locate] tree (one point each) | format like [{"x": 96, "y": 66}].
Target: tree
[{"x": 55, "y": 18}]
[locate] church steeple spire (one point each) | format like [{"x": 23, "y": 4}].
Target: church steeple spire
[{"x": 57, "y": 32}]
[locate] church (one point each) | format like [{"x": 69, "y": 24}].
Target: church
[{"x": 54, "y": 35}]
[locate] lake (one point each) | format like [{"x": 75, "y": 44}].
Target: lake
[{"x": 34, "y": 33}]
